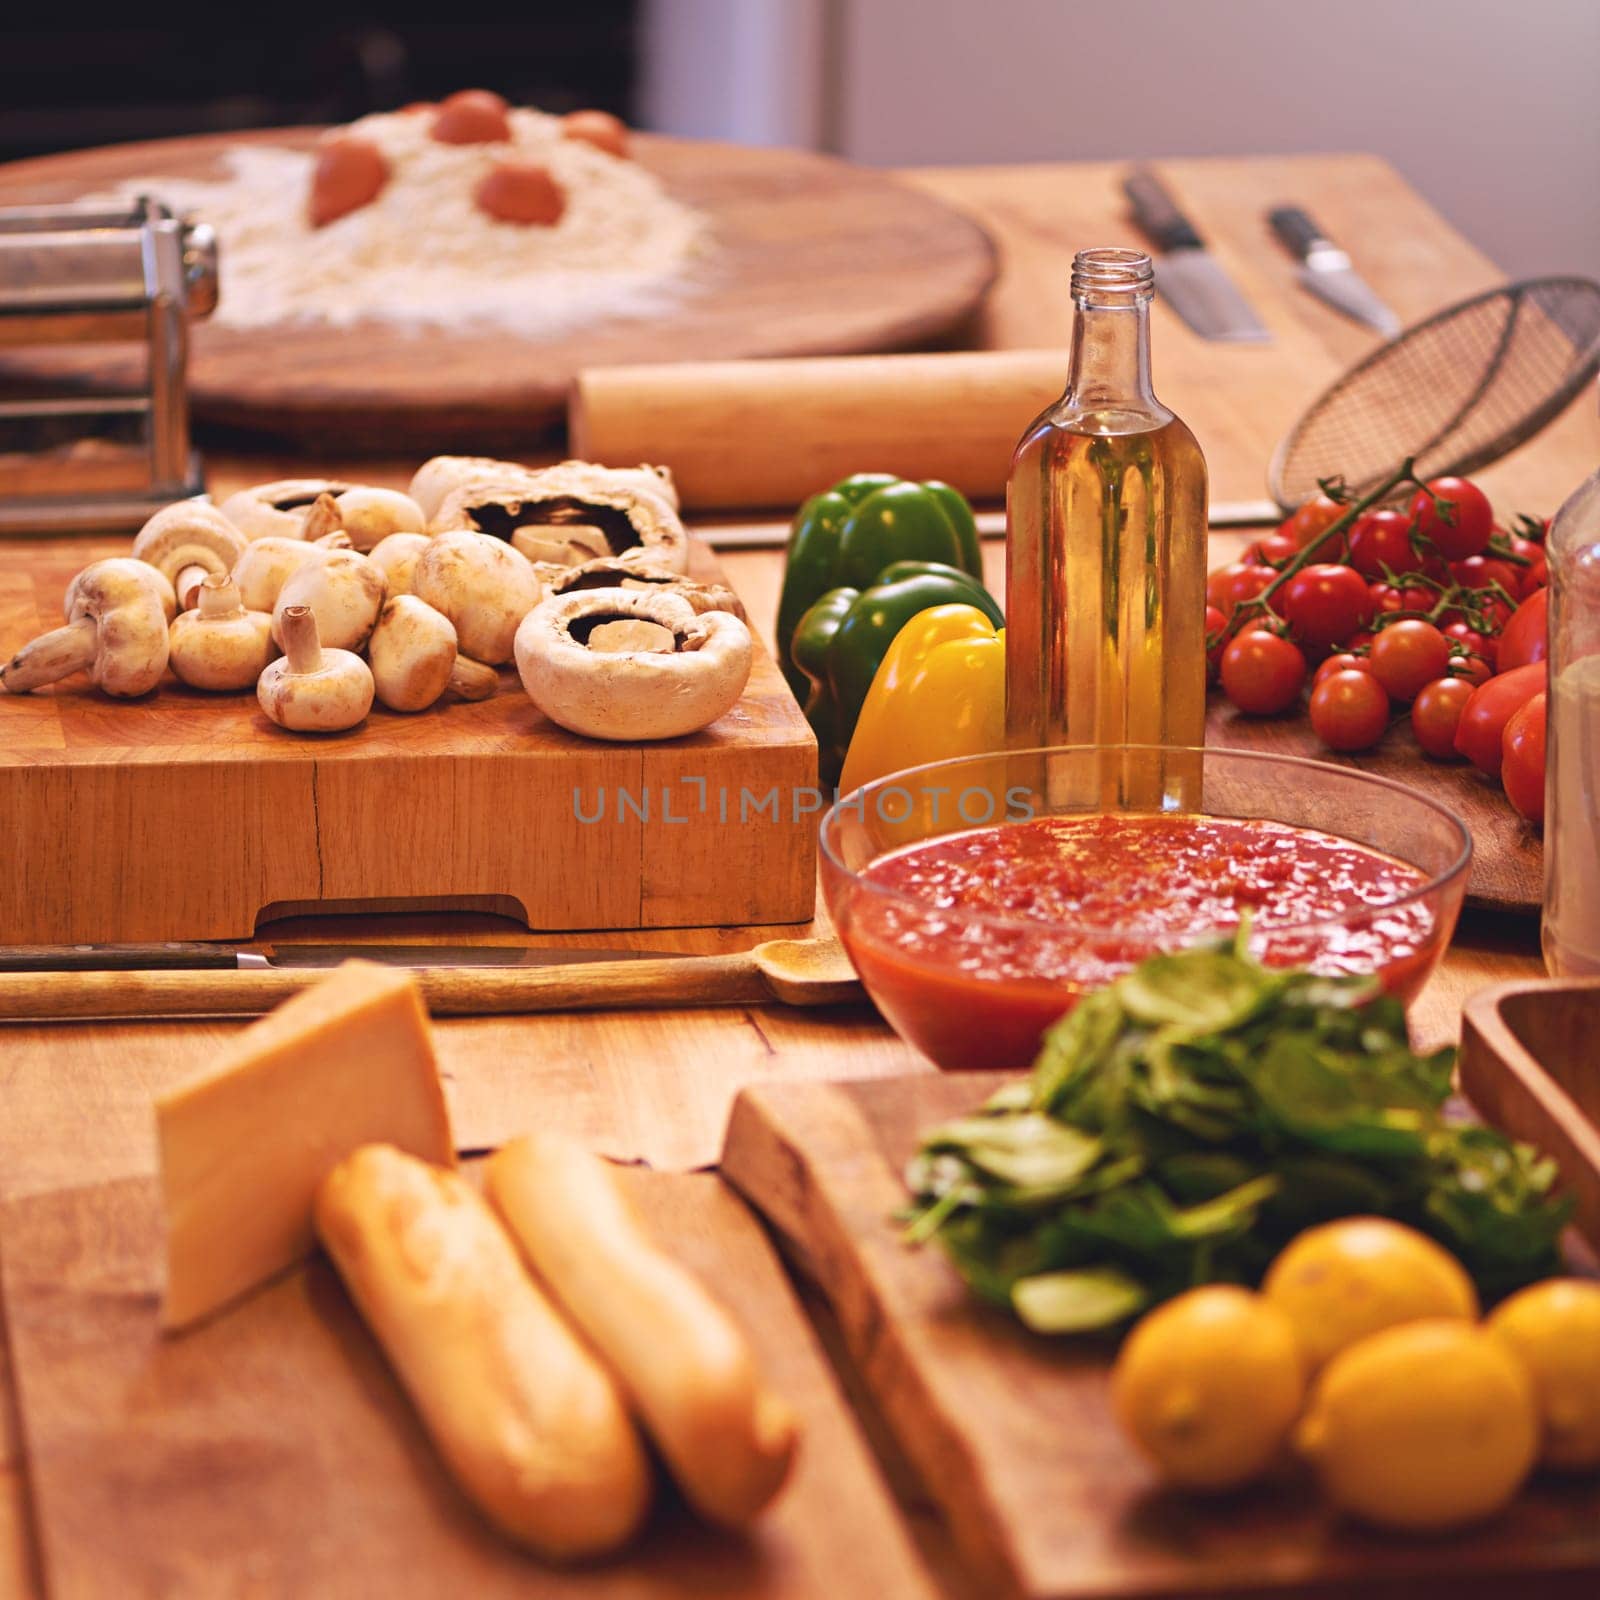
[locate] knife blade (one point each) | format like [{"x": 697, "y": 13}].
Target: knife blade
[
  {"x": 1188, "y": 276},
  {"x": 191, "y": 956},
  {"x": 1326, "y": 272}
]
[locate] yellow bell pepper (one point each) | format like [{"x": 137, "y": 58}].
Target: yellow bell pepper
[{"x": 939, "y": 692}]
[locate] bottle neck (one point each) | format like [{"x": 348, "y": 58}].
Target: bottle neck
[{"x": 1110, "y": 364}]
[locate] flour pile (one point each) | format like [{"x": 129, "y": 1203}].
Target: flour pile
[{"x": 423, "y": 255}]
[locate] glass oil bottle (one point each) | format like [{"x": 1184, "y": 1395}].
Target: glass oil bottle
[{"x": 1106, "y": 557}]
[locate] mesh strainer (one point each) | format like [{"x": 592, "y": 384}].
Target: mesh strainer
[{"x": 1454, "y": 392}]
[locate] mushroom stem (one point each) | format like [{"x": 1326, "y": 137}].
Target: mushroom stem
[
  {"x": 54, "y": 655},
  {"x": 187, "y": 585},
  {"x": 219, "y": 596},
  {"x": 300, "y": 643},
  {"x": 472, "y": 680}
]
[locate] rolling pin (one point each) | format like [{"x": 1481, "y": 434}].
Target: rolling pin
[{"x": 741, "y": 434}]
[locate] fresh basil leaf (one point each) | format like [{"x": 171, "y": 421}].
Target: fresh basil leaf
[
  {"x": 1028, "y": 1150},
  {"x": 1202, "y": 990},
  {"x": 1076, "y": 1046},
  {"x": 1077, "y": 1302}
]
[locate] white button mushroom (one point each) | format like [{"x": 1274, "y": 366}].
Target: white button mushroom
[
  {"x": 443, "y": 475},
  {"x": 588, "y": 664},
  {"x": 483, "y": 586},
  {"x": 220, "y": 645},
  {"x": 277, "y": 510},
  {"x": 614, "y": 573},
  {"x": 397, "y": 556},
  {"x": 130, "y": 568},
  {"x": 414, "y": 659},
  {"x": 116, "y": 627},
  {"x": 371, "y": 515},
  {"x": 345, "y": 591},
  {"x": 266, "y": 563},
  {"x": 310, "y": 689},
  {"x": 186, "y": 541}
]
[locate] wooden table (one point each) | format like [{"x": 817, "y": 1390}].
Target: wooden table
[{"x": 657, "y": 1086}]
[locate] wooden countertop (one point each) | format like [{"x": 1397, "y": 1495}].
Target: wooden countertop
[{"x": 60, "y": 1129}]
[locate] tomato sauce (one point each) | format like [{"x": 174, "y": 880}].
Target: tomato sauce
[{"x": 1081, "y": 900}]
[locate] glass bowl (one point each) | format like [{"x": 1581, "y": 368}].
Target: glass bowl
[{"x": 976, "y": 988}]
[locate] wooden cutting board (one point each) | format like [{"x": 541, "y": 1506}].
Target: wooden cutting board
[
  {"x": 1013, "y": 1435},
  {"x": 189, "y": 815},
  {"x": 1507, "y": 872},
  {"x": 271, "y": 1452},
  {"x": 812, "y": 256}
]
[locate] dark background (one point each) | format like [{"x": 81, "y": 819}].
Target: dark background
[{"x": 105, "y": 81}]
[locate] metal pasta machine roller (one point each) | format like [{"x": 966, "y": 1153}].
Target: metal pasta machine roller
[{"x": 94, "y": 434}]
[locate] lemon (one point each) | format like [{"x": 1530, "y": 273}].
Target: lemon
[
  {"x": 1209, "y": 1385},
  {"x": 1554, "y": 1329},
  {"x": 1345, "y": 1280},
  {"x": 1423, "y": 1426}
]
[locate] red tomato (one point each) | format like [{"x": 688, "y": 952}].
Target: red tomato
[
  {"x": 1479, "y": 644},
  {"x": 1478, "y": 572},
  {"x": 1537, "y": 574},
  {"x": 1526, "y": 636},
  {"x": 1271, "y": 551},
  {"x": 1525, "y": 548},
  {"x": 1480, "y": 610},
  {"x": 1238, "y": 581},
  {"x": 1262, "y": 673},
  {"x": 1470, "y": 669},
  {"x": 1412, "y": 597},
  {"x": 1436, "y": 714},
  {"x": 1349, "y": 711},
  {"x": 1522, "y": 759},
  {"x": 1215, "y": 623},
  {"x": 1325, "y": 604},
  {"x": 1408, "y": 655},
  {"x": 1459, "y": 522},
  {"x": 1309, "y": 522},
  {"x": 1360, "y": 641},
  {"x": 1484, "y": 718},
  {"x": 1381, "y": 539},
  {"x": 1343, "y": 662}
]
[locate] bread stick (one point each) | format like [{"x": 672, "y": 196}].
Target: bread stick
[
  {"x": 685, "y": 1366},
  {"x": 528, "y": 1421}
]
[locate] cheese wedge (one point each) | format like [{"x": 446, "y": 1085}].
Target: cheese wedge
[{"x": 244, "y": 1146}]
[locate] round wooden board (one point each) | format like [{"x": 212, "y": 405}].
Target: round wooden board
[{"x": 812, "y": 256}]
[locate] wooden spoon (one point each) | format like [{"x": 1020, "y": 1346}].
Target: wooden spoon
[{"x": 794, "y": 972}]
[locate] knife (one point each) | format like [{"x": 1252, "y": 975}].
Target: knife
[
  {"x": 1188, "y": 276},
  {"x": 191, "y": 956},
  {"x": 1326, "y": 271}
]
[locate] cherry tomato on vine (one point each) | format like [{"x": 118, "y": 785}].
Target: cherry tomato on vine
[
  {"x": 1526, "y": 636},
  {"x": 1215, "y": 623},
  {"x": 1536, "y": 574},
  {"x": 1343, "y": 662},
  {"x": 1470, "y": 669},
  {"x": 1436, "y": 714},
  {"x": 1325, "y": 604},
  {"x": 1522, "y": 758},
  {"x": 1484, "y": 718},
  {"x": 1349, "y": 711},
  {"x": 1229, "y": 586},
  {"x": 1385, "y": 597},
  {"x": 1480, "y": 644},
  {"x": 1309, "y": 522},
  {"x": 1272, "y": 551},
  {"x": 1471, "y": 517},
  {"x": 1408, "y": 655},
  {"x": 1262, "y": 672},
  {"x": 1478, "y": 572},
  {"x": 1381, "y": 539}
]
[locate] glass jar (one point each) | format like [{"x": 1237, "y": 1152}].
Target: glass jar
[{"x": 1571, "y": 928}]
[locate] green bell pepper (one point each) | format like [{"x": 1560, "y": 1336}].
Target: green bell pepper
[
  {"x": 841, "y": 638},
  {"x": 847, "y": 535}
]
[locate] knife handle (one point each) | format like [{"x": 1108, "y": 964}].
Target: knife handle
[
  {"x": 1295, "y": 230},
  {"x": 1157, "y": 212},
  {"x": 114, "y": 957}
]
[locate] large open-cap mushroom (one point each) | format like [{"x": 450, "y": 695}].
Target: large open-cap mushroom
[
  {"x": 343, "y": 589},
  {"x": 310, "y": 689},
  {"x": 370, "y": 515},
  {"x": 186, "y": 541},
  {"x": 397, "y": 557},
  {"x": 116, "y": 629},
  {"x": 414, "y": 658},
  {"x": 133, "y": 569},
  {"x": 262, "y": 569},
  {"x": 277, "y": 509},
  {"x": 609, "y": 573},
  {"x": 441, "y": 476},
  {"x": 564, "y": 516},
  {"x": 219, "y": 644},
  {"x": 626, "y": 665},
  {"x": 484, "y": 587}
]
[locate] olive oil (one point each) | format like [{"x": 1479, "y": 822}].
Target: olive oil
[{"x": 1106, "y": 556}]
